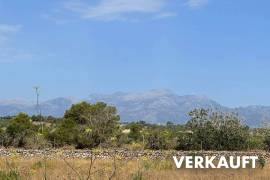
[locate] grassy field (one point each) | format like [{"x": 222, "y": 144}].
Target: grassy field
[{"x": 73, "y": 169}]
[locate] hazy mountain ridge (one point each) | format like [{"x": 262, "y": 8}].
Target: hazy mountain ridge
[
  {"x": 54, "y": 107},
  {"x": 155, "y": 106}
]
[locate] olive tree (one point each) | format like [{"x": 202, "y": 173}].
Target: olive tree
[{"x": 90, "y": 124}]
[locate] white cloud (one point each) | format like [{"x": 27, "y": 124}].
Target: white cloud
[
  {"x": 5, "y": 28},
  {"x": 118, "y": 9},
  {"x": 124, "y": 10},
  {"x": 194, "y": 4},
  {"x": 10, "y": 54},
  {"x": 6, "y": 31},
  {"x": 165, "y": 15}
]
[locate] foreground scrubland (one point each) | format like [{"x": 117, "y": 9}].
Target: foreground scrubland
[
  {"x": 115, "y": 168},
  {"x": 88, "y": 127}
]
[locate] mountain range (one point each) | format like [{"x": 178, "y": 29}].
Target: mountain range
[{"x": 154, "y": 106}]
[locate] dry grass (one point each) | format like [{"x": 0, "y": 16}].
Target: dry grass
[{"x": 73, "y": 169}]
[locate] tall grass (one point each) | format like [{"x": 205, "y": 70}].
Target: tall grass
[
  {"x": 9, "y": 175},
  {"x": 15, "y": 168}
]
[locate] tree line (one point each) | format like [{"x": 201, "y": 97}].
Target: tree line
[{"x": 89, "y": 126}]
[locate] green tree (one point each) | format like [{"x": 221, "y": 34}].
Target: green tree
[
  {"x": 95, "y": 124},
  {"x": 155, "y": 141},
  {"x": 158, "y": 138},
  {"x": 135, "y": 132},
  {"x": 230, "y": 133},
  {"x": 19, "y": 128},
  {"x": 217, "y": 131},
  {"x": 65, "y": 134},
  {"x": 78, "y": 112}
]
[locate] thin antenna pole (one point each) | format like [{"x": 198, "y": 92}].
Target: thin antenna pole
[
  {"x": 38, "y": 106},
  {"x": 37, "y": 100}
]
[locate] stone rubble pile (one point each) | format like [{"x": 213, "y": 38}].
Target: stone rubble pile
[{"x": 121, "y": 153}]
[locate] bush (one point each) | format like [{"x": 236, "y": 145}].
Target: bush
[
  {"x": 9, "y": 175},
  {"x": 37, "y": 141},
  {"x": 262, "y": 161},
  {"x": 65, "y": 134},
  {"x": 87, "y": 126},
  {"x": 19, "y": 128},
  {"x": 267, "y": 142},
  {"x": 216, "y": 131}
]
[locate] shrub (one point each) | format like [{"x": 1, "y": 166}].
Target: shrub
[
  {"x": 19, "y": 128},
  {"x": 262, "y": 161},
  {"x": 9, "y": 175},
  {"x": 137, "y": 175}
]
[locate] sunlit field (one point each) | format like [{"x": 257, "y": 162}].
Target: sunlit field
[{"x": 86, "y": 169}]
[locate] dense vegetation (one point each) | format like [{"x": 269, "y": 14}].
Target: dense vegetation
[{"x": 87, "y": 125}]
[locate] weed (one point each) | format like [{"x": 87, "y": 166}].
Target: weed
[{"x": 9, "y": 175}]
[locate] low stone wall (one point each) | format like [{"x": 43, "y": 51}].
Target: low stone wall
[{"x": 122, "y": 153}]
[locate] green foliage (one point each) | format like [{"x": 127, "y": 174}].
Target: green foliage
[
  {"x": 37, "y": 165},
  {"x": 19, "y": 128},
  {"x": 87, "y": 125},
  {"x": 19, "y": 124},
  {"x": 138, "y": 175},
  {"x": 155, "y": 141},
  {"x": 256, "y": 139},
  {"x": 184, "y": 141},
  {"x": 9, "y": 175},
  {"x": 160, "y": 138},
  {"x": 78, "y": 112},
  {"x": 262, "y": 162},
  {"x": 135, "y": 132},
  {"x": 267, "y": 142},
  {"x": 215, "y": 131},
  {"x": 65, "y": 134}
]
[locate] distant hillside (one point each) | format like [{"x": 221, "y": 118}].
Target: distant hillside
[
  {"x": 55, "y": 107},
  {"x": 155, "y": 106}
]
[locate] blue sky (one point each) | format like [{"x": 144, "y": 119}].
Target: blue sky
[{"x": 217, "y": 48}]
